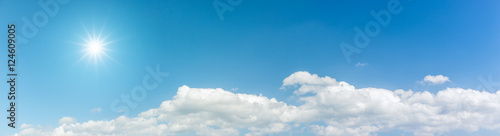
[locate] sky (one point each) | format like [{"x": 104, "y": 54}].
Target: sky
[{"x": 239, "y": 67}]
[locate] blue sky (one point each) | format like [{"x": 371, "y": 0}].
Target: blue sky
[{"x": 251, "y": 51}]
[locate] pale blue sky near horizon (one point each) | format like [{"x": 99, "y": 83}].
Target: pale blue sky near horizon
[{"x": 253, "y": 49}]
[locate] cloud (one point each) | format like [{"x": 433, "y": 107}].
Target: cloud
[
  {"x": 95, "y": 110},
  {"x": 359, "y": 64},
  {"x": 67, "y": 120},
  {"x": 202, "y": 110},
  {"x": 328, "y": 107},
  {"x": 30, "y": 130},
  {"x": 349, "y": 111},
  {"x": 197, "y": 109},
  {"x": 434, "y": 80}
]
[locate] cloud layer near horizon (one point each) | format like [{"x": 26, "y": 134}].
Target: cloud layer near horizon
[{"x": 329, "y": 108}]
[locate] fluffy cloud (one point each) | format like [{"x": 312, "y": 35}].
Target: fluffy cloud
[
  {"x": 349, "y": 111},
  {"x": 434, "y": 80},
  {"x": 328, "y": 108},
  {"x": 204, "y": 111}
]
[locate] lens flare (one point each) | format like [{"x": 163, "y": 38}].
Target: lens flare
[{"x": 95, "y": 47}]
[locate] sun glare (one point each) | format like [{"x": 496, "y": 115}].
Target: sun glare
[{"x": 95, "y": 47}]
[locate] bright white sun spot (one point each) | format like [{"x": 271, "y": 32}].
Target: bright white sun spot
[{"x": 95, "y": 47}]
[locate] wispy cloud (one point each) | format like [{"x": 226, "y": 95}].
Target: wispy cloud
[
  {"x": 95, "y": 110},
  {"x": 359, "y": 64}
]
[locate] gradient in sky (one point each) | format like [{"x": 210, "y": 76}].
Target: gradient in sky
[{"x": 237, "y": 67}]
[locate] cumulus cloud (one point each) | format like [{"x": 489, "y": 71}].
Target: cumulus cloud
[
  {"x": 434, "y": 80},
  {"x": 349, "y": 111},
  {"x": 204, "y": 111},
  {"x": 328, "y": 107}
]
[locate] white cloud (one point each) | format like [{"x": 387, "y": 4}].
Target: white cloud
[
  {"x": 67, "y": 120},
  {"x": 95, "y": 110},
  {"x": 30, "y": 130},
  {"x": 348, "y": 111},
  {"x": 434, "y": 80},
  {"x": 200, "y": 110},
  {"x": 359, "y": 64},
  {"x": 340, "y": 109},
  {"x": 119, "y": 126}
]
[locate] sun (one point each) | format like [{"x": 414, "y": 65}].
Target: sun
[{"x": 95, "y": 46}]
